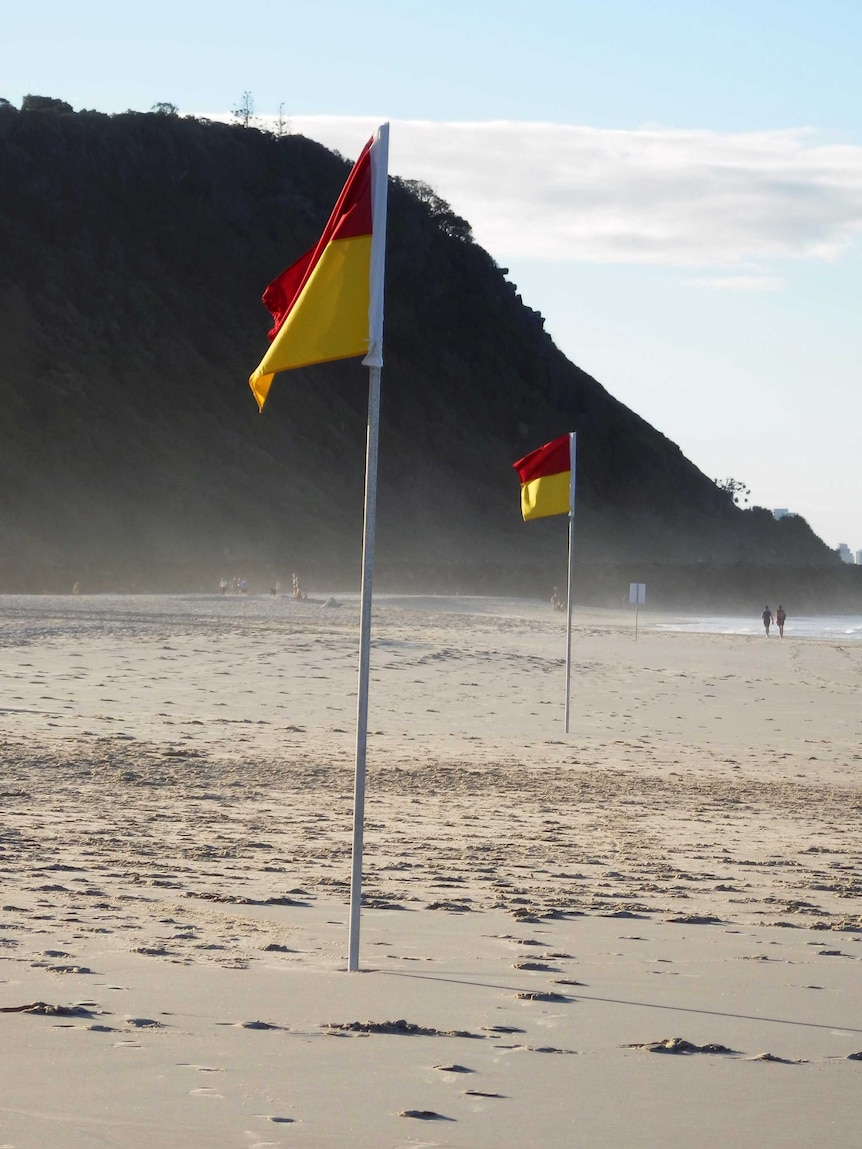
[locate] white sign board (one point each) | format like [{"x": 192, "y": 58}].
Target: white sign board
[{"x": 637, "y": 593}]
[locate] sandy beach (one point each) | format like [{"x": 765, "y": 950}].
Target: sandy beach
[{"x": 647, "y": 932}]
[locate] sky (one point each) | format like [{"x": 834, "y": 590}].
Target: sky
[{"x": 676, "y": 185}]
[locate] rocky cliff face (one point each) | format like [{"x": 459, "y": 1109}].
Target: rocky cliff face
[{"x": 134, "y": 252}]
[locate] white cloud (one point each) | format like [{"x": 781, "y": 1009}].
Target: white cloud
[{"x": 647, "y": 195}]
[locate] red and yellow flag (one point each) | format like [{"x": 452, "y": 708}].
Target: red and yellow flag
[
  {"x": 329, "y": 304},
  {"x": 546, "y": 476}
]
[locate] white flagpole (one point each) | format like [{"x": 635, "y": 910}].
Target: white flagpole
[
  {"x": 572, "y": 459},
  {"x": 374, "y": 361},
  {"x": 364, "y": 662}
]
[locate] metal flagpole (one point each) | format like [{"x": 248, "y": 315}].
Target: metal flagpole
[
  {"x": 572, "y": 458},
  {"x": 374, "y": 361},
  {"x": 364, "y": 662}
]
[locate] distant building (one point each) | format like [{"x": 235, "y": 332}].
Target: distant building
[
  {"x": 845, "y": 553},
  {"x": 780, "y": 513},
  {"x": 859, "y": 558}
]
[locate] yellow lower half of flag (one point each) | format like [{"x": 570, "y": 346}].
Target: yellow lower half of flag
[
  {"x": 330, "y": 318},
  {"x": 548, "y": 495}
]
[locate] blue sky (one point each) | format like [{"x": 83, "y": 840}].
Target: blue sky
[{"x": 675, "y": 186}]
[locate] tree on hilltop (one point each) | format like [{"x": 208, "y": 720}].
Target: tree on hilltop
[
  {"x": 45, "y": 104},
  {"x": 243, "y": 113}
]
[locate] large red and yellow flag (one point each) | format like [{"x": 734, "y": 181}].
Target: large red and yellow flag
[
  {"x": 329, "y": 304},
  {"x": 546, "y": 479}
]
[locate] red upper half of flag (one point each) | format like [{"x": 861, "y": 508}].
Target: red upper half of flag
[
  {"x": 551, "y": 459},
  {"x": 350, "y": 217}
]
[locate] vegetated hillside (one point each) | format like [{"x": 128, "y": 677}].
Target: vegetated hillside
[{"x": 135, "y": 249}]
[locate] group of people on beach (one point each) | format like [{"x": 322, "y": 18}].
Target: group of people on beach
[
  {"x": 235, "y": 585},
  {"x": 240, "y": 586},
  {"x": 779, "y": 619}
]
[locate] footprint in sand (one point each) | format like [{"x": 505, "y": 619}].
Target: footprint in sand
[
  {"x": 542, "y": 996},
  {"x": 424, "y": 1115},
  {"x": 679, "y": 1045}
]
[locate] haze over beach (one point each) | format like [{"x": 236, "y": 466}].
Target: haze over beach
[{"x": 648, "y": 932}]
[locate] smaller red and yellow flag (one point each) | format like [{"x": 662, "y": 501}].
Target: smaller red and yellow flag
[{"x": 546, "y": 479}]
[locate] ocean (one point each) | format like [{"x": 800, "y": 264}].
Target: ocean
[{"x": 836, "y": 627}]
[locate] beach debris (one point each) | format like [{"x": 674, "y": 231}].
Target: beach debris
[
  {"x": 84, "y": 1009},
  {"x": 479, "y": 1093},
  {"x": 855, "y": 1056},
  {"x": 424, "y": 1115},
  {"x": 778, "y": 1060},
  {"x": 453, "y": 1068},
  {"x": 542, "y": 995},
  {"x": 144, "y": 1023},
  {"x": 678, "y": 1045},
  {"x": 539, "y": 966},
  {"x": 401, "y": 1026},
  {"x": 451, "y": 907},
  {"x": 502, "y": 1029},
  {"x": 258, "y": 1025}
]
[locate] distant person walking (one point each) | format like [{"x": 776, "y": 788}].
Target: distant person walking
[
  {"x": 780, "y": 616},
  {"x": 767, "y": 619}
]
